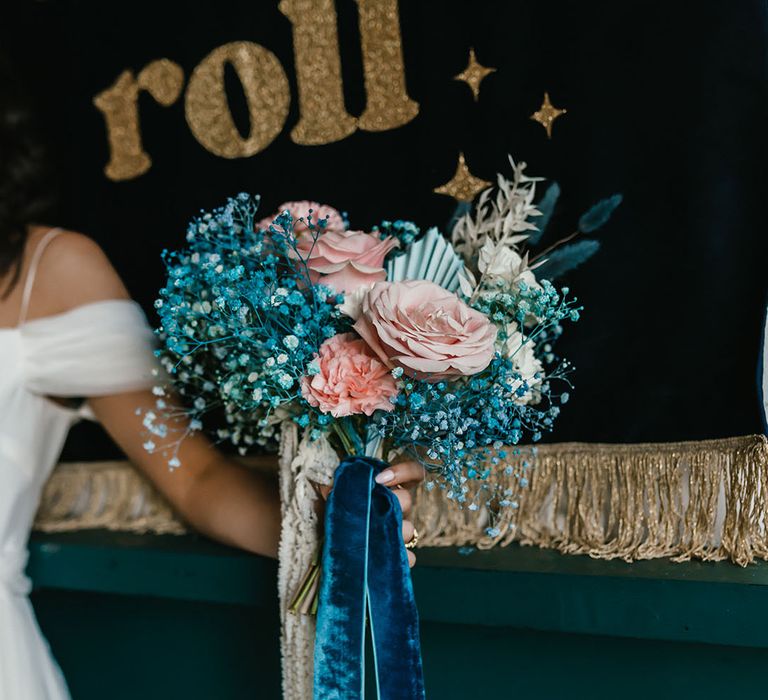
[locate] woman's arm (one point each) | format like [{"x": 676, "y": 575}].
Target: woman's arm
[{"x": 218, "y": 497}]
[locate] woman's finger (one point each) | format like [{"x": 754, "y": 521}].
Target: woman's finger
[
  {"x": 401, "y": 473},
  {"x": 408, "y": 531},
  {"x": 411, "y": 558},
  {"x": 406, "y": 501}
]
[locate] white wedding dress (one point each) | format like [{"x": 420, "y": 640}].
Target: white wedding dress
[{"x": 94, "y": 350}]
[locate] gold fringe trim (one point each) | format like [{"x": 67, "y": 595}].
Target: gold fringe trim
[
  {"x": 705, "y": 500},
  {"x": 111, "y": 495}
]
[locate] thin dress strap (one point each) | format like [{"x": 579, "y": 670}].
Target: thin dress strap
[{"x": 32, "y": 272}]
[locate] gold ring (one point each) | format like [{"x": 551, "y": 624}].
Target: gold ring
[{"x": 414, "y": 540}]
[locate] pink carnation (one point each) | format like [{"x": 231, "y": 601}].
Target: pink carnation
[
  {"x": 346, "y": 260},
  {"x": 351, "y": 379},
  {"x": 426, "y": 330},
  {"x": 300, "y": 210}
]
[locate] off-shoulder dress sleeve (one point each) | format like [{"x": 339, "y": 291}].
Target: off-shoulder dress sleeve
[{"x": 97, "y": 349}]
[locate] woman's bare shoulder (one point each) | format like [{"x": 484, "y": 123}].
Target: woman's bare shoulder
[{"x": 73, "y": 271}]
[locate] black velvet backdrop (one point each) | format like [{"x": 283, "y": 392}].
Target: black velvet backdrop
[{"x": 666, "y": 104}]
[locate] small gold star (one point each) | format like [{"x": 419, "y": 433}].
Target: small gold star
[
  {"x": 463, "y": 186},
  {"x": 547, "y": 114},
  {"x": 473, "y": 74}
]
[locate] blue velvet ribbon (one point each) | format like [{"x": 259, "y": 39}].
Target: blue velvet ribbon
[{"x": 365, "y": 567}]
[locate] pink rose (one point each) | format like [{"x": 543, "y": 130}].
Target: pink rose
[
  {"x": 426, "y": 330},
  {"x": 299, "y": 210},
  {"x": 351, "y": 379},
  {"x": 346, "y": 260}
]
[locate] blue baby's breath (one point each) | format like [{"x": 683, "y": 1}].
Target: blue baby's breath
[{"x": 249, "y": 323}]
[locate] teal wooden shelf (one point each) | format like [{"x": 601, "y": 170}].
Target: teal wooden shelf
[
  {"x": 169, "y": 600},
  {"x": 187, "y": 567},
  {"x": 535, "y": 589},
  {"x": 522, "y": 587}
]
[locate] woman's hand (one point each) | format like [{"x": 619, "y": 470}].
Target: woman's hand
[{"x": 400, "y": 477}]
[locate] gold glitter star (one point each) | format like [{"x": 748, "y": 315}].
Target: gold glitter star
[
  {"x": 463, "y": 186},
  {"x": 474, "y": 74},
  {"x": 547, "y": 114}
]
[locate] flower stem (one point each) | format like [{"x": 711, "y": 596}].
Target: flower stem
[
  {"x": 345, "y": 440},
  {"x": 305, "y": 600}
]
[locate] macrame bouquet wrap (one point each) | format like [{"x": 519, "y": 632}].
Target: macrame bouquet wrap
[{"x": 301, "y": 463}]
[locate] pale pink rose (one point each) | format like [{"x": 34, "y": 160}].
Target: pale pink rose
[
  {"x": 300, "y": 210},
  {"x": 346, "y": 260},
  {"x": 426, "y": 330},
  {"x": 351, "y": 379}
]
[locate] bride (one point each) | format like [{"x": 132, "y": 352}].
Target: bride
[{"x": 68, "y": 330}]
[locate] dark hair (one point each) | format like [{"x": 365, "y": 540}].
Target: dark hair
[{"x": 26, "y": 193}]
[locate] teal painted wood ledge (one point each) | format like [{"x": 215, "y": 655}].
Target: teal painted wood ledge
[{"x": 519, "y": 587}]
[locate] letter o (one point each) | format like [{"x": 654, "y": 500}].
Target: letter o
[{"x": 266, "y": 91}]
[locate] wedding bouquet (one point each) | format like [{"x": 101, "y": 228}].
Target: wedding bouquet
[{"x": 380, "y": 343}]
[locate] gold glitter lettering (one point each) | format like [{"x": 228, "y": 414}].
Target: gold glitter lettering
[
  {"x": 388, "y": 105},
  {"x": 323, "y": 115},
  {"x": 266, "y": 91},
  {"x": 163, "y": 79}
]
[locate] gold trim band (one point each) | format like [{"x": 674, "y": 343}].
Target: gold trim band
[{"x": 705, "y": 500}]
